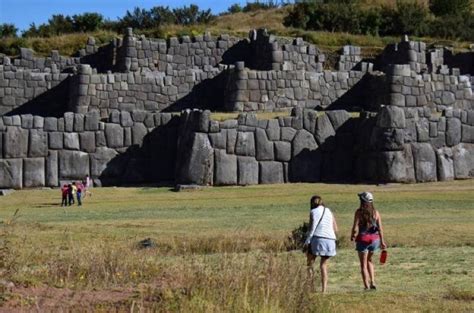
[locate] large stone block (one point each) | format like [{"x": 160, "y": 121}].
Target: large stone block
[
  {"x": 105, "y": 163},
  {"x": 50, "y": 124},
  {"x": 196, "y": 161},
  {"x": 11, "y": 173},
  {"x": 391, "y": 117},
  {"x": 453, "y": 131},
  {"x": 282, "y": 151},
  {"x": 425, "y": 162},
  {"x": 271, "y": 172},
  {"x": 114, "y": 135},
  {"x": 264, "y": 147},
  {"x": 467, "y": 134},
  {"x": 273, "y": 130},
  {"x": 91, "y": 121},
  {"x": 463, "y": 160},
  {"x": 338, "y": 118},
  {"x": 219, "y": 140},
  {"x": 303, "y": 140},
  {"x": 397, "y": 166},
  {"x": 71, "y": 141},
  {"x": 324, "y": 133},
  {"x": 247, "y": 170},
  {"x": 73, "y": 164},
  {"x": 38, "y": 144},
  {"x": 87, "y": 141},
  {"x": 15, "y": 142},
  {"x": 52, "y": 173},
  {"x": 245, "y": 144},
  {"x": 33, "y": 172},
  {"x": 78, "y": 122},
  {"x": 139, "y": 131},
  {"x": 225, "y": 168},
  {"x": 56, "y": 140},
  {"x": 444, "y": 158}
]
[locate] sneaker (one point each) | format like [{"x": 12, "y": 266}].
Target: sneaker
[{"x": 373, "y": 287}]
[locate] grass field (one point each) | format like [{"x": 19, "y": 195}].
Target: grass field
[{"x": 225, "y": 249}]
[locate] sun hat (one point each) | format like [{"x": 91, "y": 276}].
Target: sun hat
[{"x": 366, "y": 196}]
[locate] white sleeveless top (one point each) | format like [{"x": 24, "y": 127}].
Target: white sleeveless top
[{"x": 325, "y": 228}]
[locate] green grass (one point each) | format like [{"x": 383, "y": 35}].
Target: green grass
[{"x": 224, "y": 249}]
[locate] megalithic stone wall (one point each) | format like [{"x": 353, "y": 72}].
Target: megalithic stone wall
[{"x": 137, "y": 147}]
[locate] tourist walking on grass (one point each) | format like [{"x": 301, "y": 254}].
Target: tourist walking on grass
[
  {"x": 321, "y": 239},
  {"x": 367, "y": 232},
  {"x": 79, "y": 189},
  {"x": 70, "y": 194},
  {"x": 64, "y": 194}
]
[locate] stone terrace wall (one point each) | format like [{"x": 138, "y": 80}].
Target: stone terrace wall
[
  {"x": 413, "y": 145},
  {"x": 438, "y": 91},
  {"x": 305, "y": 147},
  {"x": 148, "y": 91},
  {"x": 137, "y": 147},
  {"x": 392, "y": 146},
  {"x": 34, "y": 91},
  {"x": 203, "y": 52},
  {"x": 251, "y": 90}
]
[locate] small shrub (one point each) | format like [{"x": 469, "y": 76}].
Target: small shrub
[{"x": 297, "y": 237}]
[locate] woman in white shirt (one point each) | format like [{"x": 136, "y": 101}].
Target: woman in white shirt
[{"x": 321, "y": 239}]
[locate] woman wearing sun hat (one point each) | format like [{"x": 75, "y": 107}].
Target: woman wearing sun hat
[{"x": 367, "y": 232}]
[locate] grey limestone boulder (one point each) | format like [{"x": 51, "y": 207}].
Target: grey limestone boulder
[
  {"x": 219, "y": 140},
  {"x": 139, "y": 131},
  {"x": 225, "y": 168},
  {"x": 115, "y": 135},
  {"x": 273, "y": 130},
  {"x": 309, "y": 120},
  {"x": 264, "y": 147},
  {"x": 68, "y": 121},
  {"x": 38, "y": 143},
  {"x": 11, "y": 173},
  {"x": 338, "y": 118},
  {"x": 38, "y": 122},
  {"x": 453, "y": 131},
  {"x": 78, "y": 122},
  {"x": 87, "y": 141},
  {"x": 102, "y": 165},
  {"x": 391, "y": 117},
  {"x": 126, "y": 119},
  {"x": 50, "y": 124},
  {"x": 463, "y": 161},
  {"x": 56, "y": 140},
  {"x": 73, "y": 164},
  {"x": 196, "y": 163},
  {"x": 247, "y": 170},
  {"x": 425, "y": 162},
  {"x": 71, "y": 141},
  {"x": 397, "y": 166},
  {"x": 27, "y": 121},
  {"x": 282, "y": 151},
  {"x": 15, "y": 142},
  {"x": 287, "y": 133},
  {"x": 303, "y": 140},
  {"x": 91, "y": 121},
  {"x": 231, "y": 138},
  {"x": 324, "y": 132},
  {"x": 271, "y": 172},
  {"x": 245, "y": 144},
  {"x": 33, "y": 172},
  {"x": 445, "y": 164},
  {"x": 52, "y": 174},
  {"x": 467, "y": 134}
]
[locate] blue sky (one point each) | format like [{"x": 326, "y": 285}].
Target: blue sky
[{"x": 24, "y": 12}]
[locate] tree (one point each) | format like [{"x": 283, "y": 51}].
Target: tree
[
  {"x": 450, "y": 7},
  {"x": 162, "y": 15},
  {"x": 8, "y": 30},
  {"x": 138, "y": 18},
  {"x": 235, "y": 8},
  {"x": 87, "y": 22},
  {"x": 60, "y": 24}
]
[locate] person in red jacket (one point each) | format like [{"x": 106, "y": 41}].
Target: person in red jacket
[{"x": 64, "y": 193}]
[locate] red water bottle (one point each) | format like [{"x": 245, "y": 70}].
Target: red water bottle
[{"x": 383, "y": 257}]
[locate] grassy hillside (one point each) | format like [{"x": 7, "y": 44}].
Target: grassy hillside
[
  {"x": 224, "y": 250},
  {"x": 237, "y": 24}
]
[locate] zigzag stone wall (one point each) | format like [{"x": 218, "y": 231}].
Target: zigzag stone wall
[{"x": 101, "y": 113}]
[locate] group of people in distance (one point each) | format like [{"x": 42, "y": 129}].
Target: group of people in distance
[
  {"x": 75, "y": 190},
  {"x": 367, "y": 232}
]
